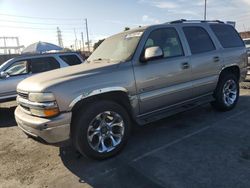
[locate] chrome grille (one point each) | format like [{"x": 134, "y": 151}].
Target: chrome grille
[{"x": 23, "y": 95}]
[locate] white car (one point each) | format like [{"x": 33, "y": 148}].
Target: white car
[{"x": 16, "y": 69}]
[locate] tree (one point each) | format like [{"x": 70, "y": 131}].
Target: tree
[{"x": 98, "y": 43}]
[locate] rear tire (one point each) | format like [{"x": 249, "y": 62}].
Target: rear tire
[
  {"x": 227, "y": 93},
  {"x": 101, "y": 129}
]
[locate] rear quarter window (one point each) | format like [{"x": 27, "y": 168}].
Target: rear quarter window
[
  {"x": 70, "y": 59},
  {"x": 227, "y": 35}
]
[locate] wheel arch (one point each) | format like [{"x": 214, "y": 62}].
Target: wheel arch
[
  {"x": 117, "y": 94},
  {"x": 234, "y": 69}
]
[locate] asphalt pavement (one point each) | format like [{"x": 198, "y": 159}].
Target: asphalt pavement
[{"x": 201, "y": 148}]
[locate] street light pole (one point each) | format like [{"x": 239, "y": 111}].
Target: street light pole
[{"x": 205, "y": 11}]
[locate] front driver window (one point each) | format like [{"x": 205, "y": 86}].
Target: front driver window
[
  {"x": 17, "y": 68},
  {"x": 168, "y": 40}
]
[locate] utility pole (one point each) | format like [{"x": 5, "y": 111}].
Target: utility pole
[
  {"x": 205, "y": 11},
  {"x": 4, "y": 43},
  {"x": 18, "y": 44},
  {"x": 76, "y": 44},
  {"x": 59, "y": 37},
  {"x": 82, "y": 41},
  {"x": 87, "y": 32}
]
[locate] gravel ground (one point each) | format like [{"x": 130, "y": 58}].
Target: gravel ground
[{"x": 198, "y": 148}]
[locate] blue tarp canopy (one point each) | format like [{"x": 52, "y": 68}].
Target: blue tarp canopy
[{"x": 41, "y": 47}]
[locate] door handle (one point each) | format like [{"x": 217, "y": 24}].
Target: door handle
[
  {"x": 185, "y": 65},
  {"x": 216, "y": 59}
]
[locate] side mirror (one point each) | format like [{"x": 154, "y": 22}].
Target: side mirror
[
  {"x": 3, "y": 75},
  {"x": 152, "y": 53}
]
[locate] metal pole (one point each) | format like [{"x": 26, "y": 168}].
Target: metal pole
[
  {"x": 205, "y": 11},
  {"x": 76, "y": 45},
  {"x": 4, "y": 42},
  {"x": 82, "y": 41},
  {"x": 87, "y": 31}
]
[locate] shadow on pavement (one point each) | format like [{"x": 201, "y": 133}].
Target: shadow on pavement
[
  {"x": 125, "y": 171},
  {"x": 7, "y": 118},
  {"x": 120, "y": 170}
]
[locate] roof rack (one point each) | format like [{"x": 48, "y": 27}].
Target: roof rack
[{"x": 194, "y": 21}]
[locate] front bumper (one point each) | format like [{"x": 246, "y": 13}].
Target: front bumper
[{"x": 52, "y": 131}]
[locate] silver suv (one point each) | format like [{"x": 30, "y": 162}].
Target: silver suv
[
  {"x": 139, "y": 76},
  {"x": 17, "y": 69}
]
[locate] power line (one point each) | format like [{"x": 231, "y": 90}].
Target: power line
[
  {"x": 42, "y": 18},
  {"x": 18, "y": 27},
  {"x": 12, "y": 21}
]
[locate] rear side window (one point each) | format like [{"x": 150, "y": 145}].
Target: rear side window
[
  {"x": 43, "y": 64},
  {"x": 71, "y": 59},
  {"x": 198, "y": 39},
  {"x": 227, "y": 35}
]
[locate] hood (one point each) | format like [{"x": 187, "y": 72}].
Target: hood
[{"x": 42, "y": 81}]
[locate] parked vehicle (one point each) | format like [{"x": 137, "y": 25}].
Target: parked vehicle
[
  {"x": 247, "y": 43},
  {"x": 16, "y": 69},
  {"x": 141, "y": 76}
]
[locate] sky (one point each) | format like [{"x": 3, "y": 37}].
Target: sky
[{"x": 37, "y": 20}]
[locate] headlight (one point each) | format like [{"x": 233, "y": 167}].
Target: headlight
[
  {"x": 43, "y": 104},
  {"x": 41, "y": 97}
]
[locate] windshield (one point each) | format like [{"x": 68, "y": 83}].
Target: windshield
[
  {"x": 117, "y": 48},
  {"x": 4, "y": 64}
]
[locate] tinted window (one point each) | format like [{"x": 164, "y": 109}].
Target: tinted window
[
  {"x": 38, "y": 65},
  {"x": 247, "y": 42},
  {"x": 168, "y": 40},
  {"x": 227, "y": 35},
  {"x": 17, "y": 68},
  {"x": 198, "y": 39},
  {"x": 71, "y": 59}
]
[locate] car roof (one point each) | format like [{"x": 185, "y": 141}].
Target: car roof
[
  {"x": 44, "y": 55},
  {"x": 175, "y": 23}
]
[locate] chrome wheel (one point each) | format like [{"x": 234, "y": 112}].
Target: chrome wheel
[
  {"x": 230, "y": 92},
  {"x": 105, "y": 131}
]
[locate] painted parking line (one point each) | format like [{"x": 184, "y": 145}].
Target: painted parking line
[{"x": 186, "y": 137}]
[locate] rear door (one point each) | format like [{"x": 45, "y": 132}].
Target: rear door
[
  {"x": 43, "y": 64},
  {"x": 17, "y": 71},
  {"x": 166, "y": 81},
  {"x": 205, "y": 59}
]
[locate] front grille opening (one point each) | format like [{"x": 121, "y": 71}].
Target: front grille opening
[{"x": 23, "y": 95}]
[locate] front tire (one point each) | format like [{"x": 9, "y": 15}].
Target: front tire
[
  {"x": 227, "y": 93},
  {"x": 101, "y": 129}
]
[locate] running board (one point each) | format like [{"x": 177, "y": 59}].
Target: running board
[{"x": 169, "y": 111}]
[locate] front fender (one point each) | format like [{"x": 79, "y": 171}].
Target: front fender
[{"x": 95, "y": 92}]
